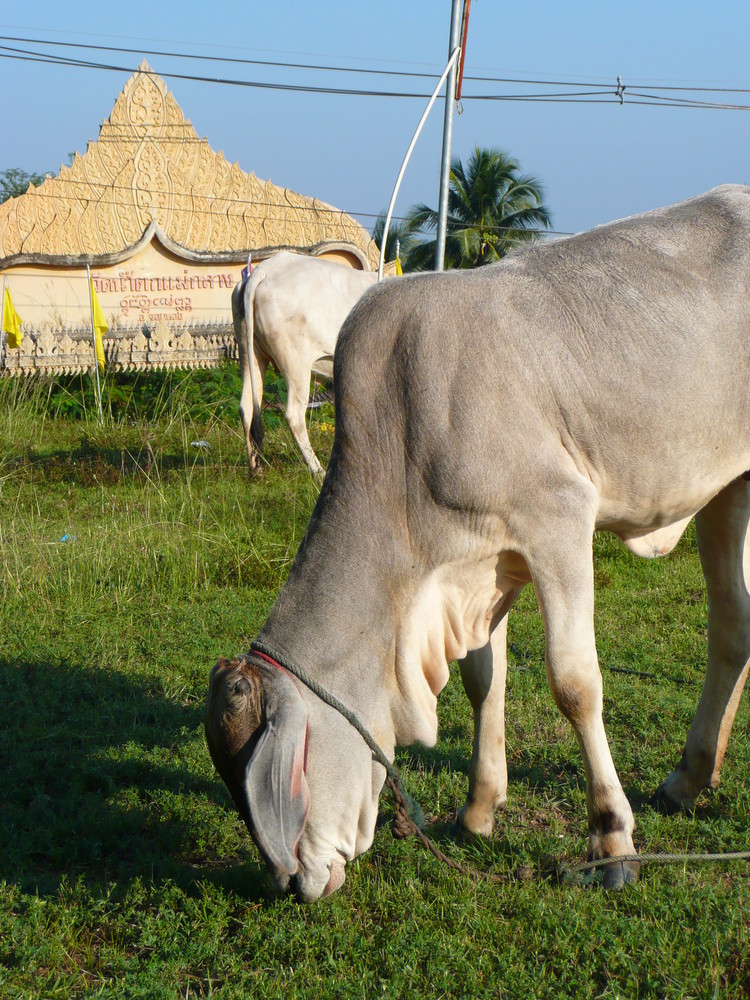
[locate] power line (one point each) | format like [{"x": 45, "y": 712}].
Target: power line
[
  {"x": 319, "y": 209},
  {"x": 325, "y": 67},
  {"x": 241, "y": 203},
  {"x": 8, "y": 52},
  {"x": 222, "y": 59},
  {"x": 606, "y": 93},
  {"x": 684, "y": 102}
]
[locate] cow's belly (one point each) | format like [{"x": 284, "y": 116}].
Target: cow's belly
[
  {"x": 324, "y": 366},
  {"x": 651, "y": 523},
  {"x": 656, "y": 543},
  {"x": 661, "y": 494}
]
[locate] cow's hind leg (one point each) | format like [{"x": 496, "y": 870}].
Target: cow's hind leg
[
  {"x": 722, "y": 530},
  {"x": 483, "y": 674},
  {"x": 561, "y": 565},
  {"x": 251, "y": 407}
]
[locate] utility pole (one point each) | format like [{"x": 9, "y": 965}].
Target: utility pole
[
  {"x": 445, "y": 166},
  {"x": 452, "y": 92}
]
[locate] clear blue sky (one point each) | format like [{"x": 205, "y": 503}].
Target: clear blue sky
[{"x": 597, "y": 162}]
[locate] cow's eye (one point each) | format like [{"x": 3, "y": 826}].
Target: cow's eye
[{"x": 241, "y": 687}]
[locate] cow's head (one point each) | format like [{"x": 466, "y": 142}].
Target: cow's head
[{"x": 302, "y": 778}]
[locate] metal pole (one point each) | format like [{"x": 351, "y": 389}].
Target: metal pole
[
  {"x": 445, "y": 167},
  {"x": 450, "y": 65}
]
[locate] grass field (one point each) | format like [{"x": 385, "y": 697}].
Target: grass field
[{"x": 132, "y": 558}]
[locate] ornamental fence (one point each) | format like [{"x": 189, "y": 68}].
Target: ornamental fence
[{"x": 56, "y": 351}]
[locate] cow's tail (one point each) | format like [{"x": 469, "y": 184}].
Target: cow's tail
[{"x": 243, "y": 313}]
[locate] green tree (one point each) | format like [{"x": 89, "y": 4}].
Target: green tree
[
  {"x": 15, "y": 181},
  {"x": 492, "y": 208},
  {"x": 399, "y": 235}
]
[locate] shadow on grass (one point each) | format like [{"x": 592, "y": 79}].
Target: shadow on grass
[
  {"x": 89, "y": 465},
  {"x": 94, "y": 783},
  {"x": 453, "y": 753}
]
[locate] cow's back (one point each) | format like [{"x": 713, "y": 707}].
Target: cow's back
[
  {"x": 609, "y": 345},
  {"x": 302, "y": 302}
]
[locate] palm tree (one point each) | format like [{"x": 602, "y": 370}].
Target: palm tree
[
  {"x": 492, "y": 208},
  {"x": 399, "y": 236}
]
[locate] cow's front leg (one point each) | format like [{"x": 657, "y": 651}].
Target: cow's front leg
[
  {"x": 722, "y": 530},
  {"x": 483, "y": 675},
  {"x": 564, "y": 580},
  {"x": 298, "y": 395}
]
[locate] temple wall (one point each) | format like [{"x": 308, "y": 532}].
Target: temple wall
[
  {"x": 151, "y": 287},
  {"x": 161, "y": 311}
]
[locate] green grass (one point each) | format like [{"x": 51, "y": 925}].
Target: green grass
[{"x": 124, "y": 869}]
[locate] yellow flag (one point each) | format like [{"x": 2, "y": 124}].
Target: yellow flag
[
  {"x": 11, "y": 321},
  {"x": 399, "y": 269},
  {"x": 100, "y": 325}
]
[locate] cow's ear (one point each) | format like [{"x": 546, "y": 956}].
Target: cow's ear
[{"x": 275, "y": 784}]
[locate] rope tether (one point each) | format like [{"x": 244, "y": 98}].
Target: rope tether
[{"x": 409, "y": 817}]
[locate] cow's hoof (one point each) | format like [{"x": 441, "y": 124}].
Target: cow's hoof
[
  {"x": 475, "y": 822},
  {"x": 621, "y": 873},
  {"x": 460, "y": 833},
  {"x": 663, "y": 802}
]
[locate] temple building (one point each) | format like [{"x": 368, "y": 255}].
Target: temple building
[{"x": 164, "y": 225}]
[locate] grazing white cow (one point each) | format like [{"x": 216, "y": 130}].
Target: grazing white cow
[
  {"x": 488, "y": 422},
  {"x": 289, "y": 311}
]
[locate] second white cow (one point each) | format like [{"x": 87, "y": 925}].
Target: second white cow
[{"x": 289, "y": 311}]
